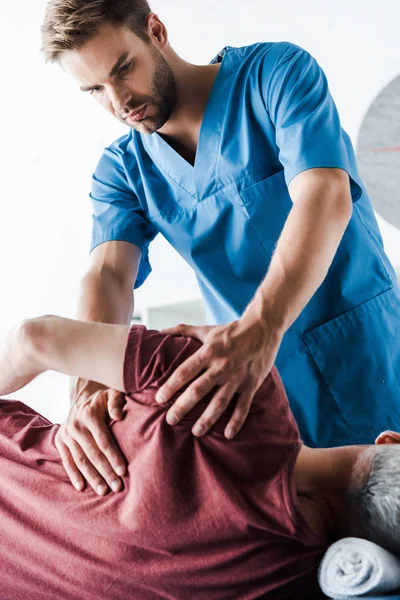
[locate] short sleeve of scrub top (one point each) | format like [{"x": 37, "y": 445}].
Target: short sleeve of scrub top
[
  {"x": 117, "y": 214},
  {"x": 308, "y": 129}
]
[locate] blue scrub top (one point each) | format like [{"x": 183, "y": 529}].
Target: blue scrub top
[{"x": 269, "y": 116}]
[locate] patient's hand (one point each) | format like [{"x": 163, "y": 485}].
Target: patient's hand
[{"x": 86, "y": 445}]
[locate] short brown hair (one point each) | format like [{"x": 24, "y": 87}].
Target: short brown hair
[{"x": 69, "y": 24}]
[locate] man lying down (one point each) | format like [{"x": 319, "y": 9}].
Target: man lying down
[{"x": 197, "y": 518}]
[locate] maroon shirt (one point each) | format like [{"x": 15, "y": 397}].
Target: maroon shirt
[{"x": 199, "y": 518}]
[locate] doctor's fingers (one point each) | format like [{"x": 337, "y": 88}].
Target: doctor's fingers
[
  {"x": 215, "y": 409},
  {"x": 90, "y": 461},
  {"x": 190, "y": 397},
  {"x": 198, "y": 332},
  {"x": 187, "y": 371},
  {"x": 240, "y": 413}
]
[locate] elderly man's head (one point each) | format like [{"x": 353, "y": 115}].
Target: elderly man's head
[{"x": 374, "y": 493}]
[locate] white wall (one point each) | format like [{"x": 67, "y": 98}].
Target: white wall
[{"x": 52, "y": 136}]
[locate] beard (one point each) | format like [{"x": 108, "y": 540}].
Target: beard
[{"x": 163, "y": 98}]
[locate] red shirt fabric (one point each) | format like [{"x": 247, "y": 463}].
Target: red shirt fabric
[{"x": 198, "y": 518}]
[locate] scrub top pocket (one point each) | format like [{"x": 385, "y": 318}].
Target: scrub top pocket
[
  {"x": 268, "y": 204},
  {"x": 358, "y": 355}
]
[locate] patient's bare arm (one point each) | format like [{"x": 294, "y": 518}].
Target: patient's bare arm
[
  {"x": 19, "y": 364},
  {"x": 93, "y": 351}
]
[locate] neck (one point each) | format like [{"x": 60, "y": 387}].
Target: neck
[
  {"x": 193, "y": 87},
  {"x": 322, "y": 480}
]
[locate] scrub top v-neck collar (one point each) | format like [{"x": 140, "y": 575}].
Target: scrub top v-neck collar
[{"x": 197, "y": 180}]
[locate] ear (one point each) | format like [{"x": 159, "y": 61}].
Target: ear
[
  {"x": 388, "y": 437},
  {"x": 157, "y": 30}
]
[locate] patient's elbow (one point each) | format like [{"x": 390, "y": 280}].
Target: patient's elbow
[{"x": 32, "y": 337}]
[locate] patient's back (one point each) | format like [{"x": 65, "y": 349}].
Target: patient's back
[{"x": 199, "y": 518}]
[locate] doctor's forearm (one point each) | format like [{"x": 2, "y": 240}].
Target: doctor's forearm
[
  {"x": 103, "y": 299},
  {"x": 304, "y": 253}
]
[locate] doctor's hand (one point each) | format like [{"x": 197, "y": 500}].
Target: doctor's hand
[
  {"x": 84, "y": 441},
  {"x": 234, "y": 359}
]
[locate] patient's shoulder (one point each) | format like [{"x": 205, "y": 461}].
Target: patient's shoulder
[
  {"x": 317, "y": 517},
  {"x": 312, "y": 506},
  {"x": 152, "y": 356}
]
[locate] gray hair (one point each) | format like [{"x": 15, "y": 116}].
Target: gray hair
[{"x": 374, "y": 494}]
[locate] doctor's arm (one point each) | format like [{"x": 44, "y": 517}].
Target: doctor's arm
[
  {"x": 237, "y": 357},
  {"x": 84, "y": 441},
  {"x": 322, "y": 208}
]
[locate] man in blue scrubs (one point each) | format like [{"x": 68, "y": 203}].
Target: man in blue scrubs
[{"x": 245, "y": 169}]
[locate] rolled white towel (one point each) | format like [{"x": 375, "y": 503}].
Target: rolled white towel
[{"x": 354, "y": 567}]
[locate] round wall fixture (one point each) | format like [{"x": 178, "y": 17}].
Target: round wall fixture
[{"x": 378, "y": 153}]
